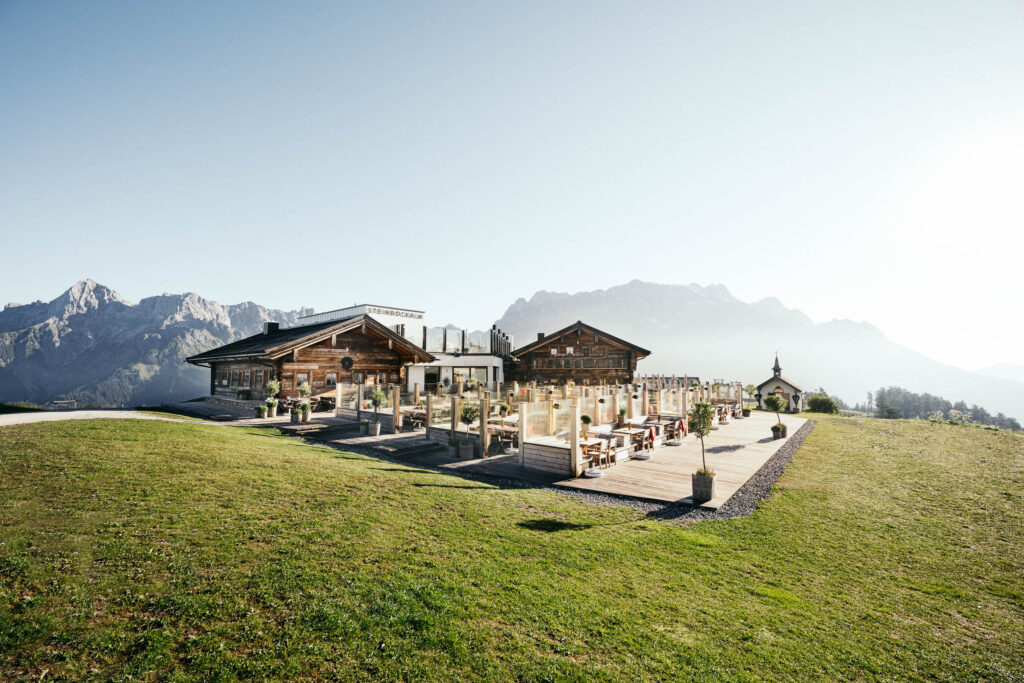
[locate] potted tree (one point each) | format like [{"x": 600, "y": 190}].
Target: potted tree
[
  {"x": 502, "y": 412},
  {"x": 703, "y": 480},
  {"x": 622, "y": 418},
  {"x": 774, "y": 404},
  {"x": 468, "y": 416},
  {"x": 751, "y": 390},
  {"x": 364, "y": 427},
  {"x": 585, "y": 421},
  {"x": 453, "y": 447},
  {"x": 296, "y": 416},
  {"x": 273, "y": 388},
  {"x": 261, "y": 411},
  {"x": 376, "y": 400},
  {"x": 306, "y": 410}
]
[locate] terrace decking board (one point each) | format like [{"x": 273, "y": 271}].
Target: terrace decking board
[{"x": 735, "y": 452}]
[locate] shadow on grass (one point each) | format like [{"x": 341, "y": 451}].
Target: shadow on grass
[
  {"x": 552, "y": 525},
  {"x": 406, "y": 470},
  {"x": 455, "y": 486}
]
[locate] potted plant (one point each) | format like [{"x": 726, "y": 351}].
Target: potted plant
[
  {"x": 585, "y": 421},
  {"x": 306, "y": 410},
  {"x": 622, "y": 418},
  {"x": 453, "y": 447},
  {"x": 364, "y": 427},
  {"x": 376, "y": 400},
  {"x": 296, "y": 416},
  {"x": 273, "y": 388},
  {"x": 774, "y": 404},
  {"x": 751, "y": 391},
  {"x": 470, "y": 413},
  {"x": 703, "y": 480},
  {"x": 261, "y": 411}
]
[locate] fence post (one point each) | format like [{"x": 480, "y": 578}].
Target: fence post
[
  {"x": 574, "y": 438},
  {"x": 396, "y": 408}
]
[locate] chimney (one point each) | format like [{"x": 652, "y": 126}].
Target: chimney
[
  {"x": 540, "y": 335},
  {"x": 271, "y": 326}
]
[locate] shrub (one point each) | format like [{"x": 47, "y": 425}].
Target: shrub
[
  {"x": 470, "y": 413},
  {"x": 774, "y": 404},
  {"x": 819, "y": 403},
  {"x": 304, "y": 390},
  {"x": 585, "y": 419},
  {"x": 272, "y": 387}
]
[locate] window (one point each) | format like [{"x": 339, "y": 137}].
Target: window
[
  {"x": 234, "y": 378},
  {"x": 568, "y": 350},
  {"x": 332, "y": 379},
  {"x": 554, "y": 351},
  {"x": 222, "y": 378},
  {"x": 300, "y": 378},
  {"x": 257, "y": 379}
]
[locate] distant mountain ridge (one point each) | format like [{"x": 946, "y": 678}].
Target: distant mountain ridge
[
  {"x": 91, "y": 344},
  {"x": 706, "y": 331}
]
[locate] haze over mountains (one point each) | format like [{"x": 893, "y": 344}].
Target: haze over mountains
[
  {"x": 93, "y": 345},
  {"x": 706, "y": 331}
]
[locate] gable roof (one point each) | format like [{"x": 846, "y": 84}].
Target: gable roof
[
  {"x": 583, "y": 327},
  {"x": 282, "y": 342},
  {"x": 781, "y": 379}
]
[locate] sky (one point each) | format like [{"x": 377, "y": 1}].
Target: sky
[{"x": 855, "y": 160}]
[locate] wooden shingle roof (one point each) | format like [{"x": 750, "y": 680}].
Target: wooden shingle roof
[{"x": 588, "y": 329}]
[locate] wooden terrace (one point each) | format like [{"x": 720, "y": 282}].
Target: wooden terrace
[{"x": 735, "y": 452}]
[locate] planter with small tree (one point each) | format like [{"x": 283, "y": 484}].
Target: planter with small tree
[
  {"x": 296, "y": 416},
  {"x": 622, "y": 418},
  {"x": 306, "y": 412},
  {"x": 261, "y": 411},
  {"x": 703, "y": 480},
  {"x": 273, "y": 388},
  {"x": 585, "y": 421},
  {"x": 469, "y": 414},
  {"x": 364, "y": 427},
  {"x": 774, "y": 404},
  {"x": 377, "y": 399}
]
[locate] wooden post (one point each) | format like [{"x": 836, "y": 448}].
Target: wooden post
[
  {"x": 551, "y": 418},
  {"x": 485, "y": 412},
  {"x": 646, "y": 401},
  {"x": 430, "y": 414},
  {"x": 416, "y": 393},
  {"x": 524, "y": 410},
  {"x": 359, "y": 403},
  {"x": 455, "y": 420},
  {"x": 574, "y": 437},
  {"x": 615, "y": 406},
  {"x": 396, "y": 408}
]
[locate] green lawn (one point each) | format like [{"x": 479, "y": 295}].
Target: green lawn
[{"x": 138, "y": 549}]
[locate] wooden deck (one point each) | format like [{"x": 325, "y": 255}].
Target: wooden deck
[{"x": 734, "y": 451}]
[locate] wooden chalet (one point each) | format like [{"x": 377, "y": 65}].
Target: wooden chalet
[
  {"x": 579, "y": 353},
  {"x": 358, "y": 350}
]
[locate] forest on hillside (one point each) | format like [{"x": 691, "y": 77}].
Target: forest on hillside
[{"x": 897, "y": 402}]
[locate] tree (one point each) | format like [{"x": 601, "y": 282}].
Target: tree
[
  {"x": 774, "y": 404},
  {"x": 751, "y": 390},
  {"x": 699, "y": 423},
  {"x": 377, "y": 399},
  {"x": 469, "y": 415}
]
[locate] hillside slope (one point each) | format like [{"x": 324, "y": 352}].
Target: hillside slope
[
  {"x": 147, "y": 550},
  {"x": 706, "y": 331},
  {"x": 93, "y": 345}
]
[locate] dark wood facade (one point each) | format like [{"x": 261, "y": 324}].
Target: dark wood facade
[
  {"x": 579, "y": 353},
  {"x": 358, "y": 350}
]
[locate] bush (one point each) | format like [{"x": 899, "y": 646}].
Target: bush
[
  {"x": 819, "y": 403},
  {"x": 469, "y": 414}
]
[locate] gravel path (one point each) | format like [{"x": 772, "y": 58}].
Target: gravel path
[{"x": 741, "y": 504}]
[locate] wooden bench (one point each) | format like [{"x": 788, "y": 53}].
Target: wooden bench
[{"x": 70, "y": 404}]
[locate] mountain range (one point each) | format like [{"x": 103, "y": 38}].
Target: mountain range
[
  {"x": 707, "y": 332},
  {"x": 92, "y": 344}
]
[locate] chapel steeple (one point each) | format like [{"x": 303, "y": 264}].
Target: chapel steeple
[{"x": 777, "y": 369}]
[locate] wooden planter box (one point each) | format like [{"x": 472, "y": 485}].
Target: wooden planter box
[
  {"x": 374, "y": 428},
  {"x": 466, "y": 451},
  {"x": 271, "y": 410}
]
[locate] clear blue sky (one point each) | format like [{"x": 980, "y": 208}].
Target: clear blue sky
[{"x": 454, "y": 157}]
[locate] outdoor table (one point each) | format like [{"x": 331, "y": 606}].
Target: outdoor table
[{"x": 632, "y": 433}]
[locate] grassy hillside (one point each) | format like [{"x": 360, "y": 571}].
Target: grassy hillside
[{"x": 132, "y": 548}]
